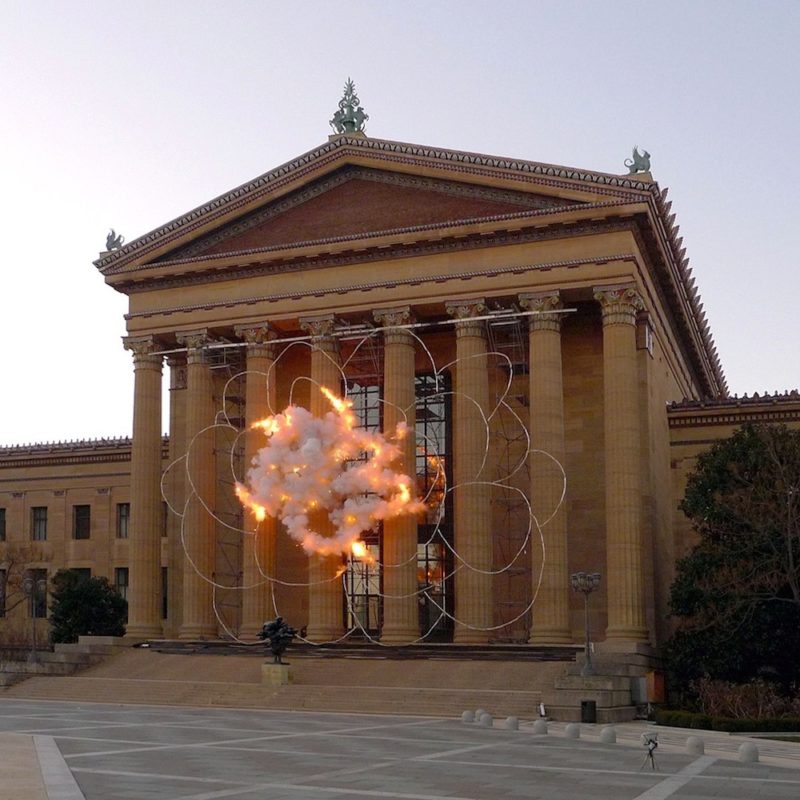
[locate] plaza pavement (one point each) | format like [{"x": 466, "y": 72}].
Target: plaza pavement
[{"x": 117, "y": 752}]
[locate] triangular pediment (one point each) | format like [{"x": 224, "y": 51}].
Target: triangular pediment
[
  {"x": 356, "y": 202},
  {"x": 355, "y": 187}
]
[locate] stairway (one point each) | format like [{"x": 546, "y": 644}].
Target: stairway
[{"x": 418, "y": 686}]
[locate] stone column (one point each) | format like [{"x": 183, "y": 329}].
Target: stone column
[
  {"x": 144, "y": 610},
  {"x": 259, "y": 545},
  {"x": 626, "y": 614},
  {"x": 176, "y": 488},
  {"x": 400, "y": 604},
  {"x": 199, "y": 524},
  {"x": 325, "y": 602},
  {"x": 546, "y": 395},
  {"x": 473, "y": 518}
]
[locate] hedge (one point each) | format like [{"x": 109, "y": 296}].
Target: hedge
[{"x": 688, "y": 719}]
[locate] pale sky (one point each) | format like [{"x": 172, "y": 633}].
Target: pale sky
[{"x": 127, "y": 114}]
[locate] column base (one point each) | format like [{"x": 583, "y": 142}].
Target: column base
[
  {"x": 399, "y": 635},
  {"x": 627, "y": 635},
  {"x": 250, "y": 632},
  {"x": 469, "y": 636},
  {"x": 551, "y": 636},
  {"x": 189, "y": 632},
  {"x": 321, "y": 633},
  {"x": 142, "y": 631}
]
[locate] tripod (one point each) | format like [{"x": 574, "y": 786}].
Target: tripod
[{"x": 650, "y": 755}]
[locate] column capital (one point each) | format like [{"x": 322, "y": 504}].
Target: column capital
[
  {"x": 259, "y": 339},
  {"x": 195, "y": 343},
  {"x": 465, "y": 312},
  {"x": 393, "y": 320},
  {"x": 620, "y": 304},
  {"x": 544, "y": 304},
  {"x": 144, "y": 351},
  {"x": 318, "y": 327},
  {"x": 392, "y": 317}
]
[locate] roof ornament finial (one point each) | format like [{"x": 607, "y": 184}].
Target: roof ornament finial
[
  {"x": 639, "y": 163},
  {"x": 113, "y": 241},
  {"x": 350, "y": 117}
]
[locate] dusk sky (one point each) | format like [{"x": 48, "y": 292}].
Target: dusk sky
[{"x": 128, "y": 114}]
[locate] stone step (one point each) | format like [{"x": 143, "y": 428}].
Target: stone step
[
  {"x": 594, "y": 682},
  {"x": 574, "y": 697},
  {"x": 426, "y": 702}
]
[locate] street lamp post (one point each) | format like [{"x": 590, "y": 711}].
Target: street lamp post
[
  {"x": 586, "y": 583},
  {"x": 32, "y": 590}
]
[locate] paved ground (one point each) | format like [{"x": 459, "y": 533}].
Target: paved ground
[{"x": 137, "y": 752}]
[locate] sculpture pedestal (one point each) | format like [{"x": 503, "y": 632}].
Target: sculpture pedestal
[{"x": 275, "y": 674}]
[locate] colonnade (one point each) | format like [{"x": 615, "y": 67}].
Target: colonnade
[{"x": 472, "y": 507}]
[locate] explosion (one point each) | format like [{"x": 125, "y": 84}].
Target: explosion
[{"x": 313, "y": 465}]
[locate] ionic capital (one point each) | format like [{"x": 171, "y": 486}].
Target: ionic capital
[
  {"x": 620, "y": 304},
  {"x": 466, "y": 311},
  {"x": 195, "y": 343},
  {"x": 144, "y": 351},
  {"x": 259, "y": 339},
  {"x": 543, "y": 304}
]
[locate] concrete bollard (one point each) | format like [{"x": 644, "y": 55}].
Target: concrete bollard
[
  {"x": 748, "y": 752},
  {"x": 468, "y": 716},
  {"x": 608, "y": 735},
  {"x": 540, "y": 726},
  {"x": 486, "y": 720},
  {"x": 479, "y": 713},
  {"x": 572, "y": 731},
  {"x": 512, "y": 724},
  {"x": 695, "y": 746}
]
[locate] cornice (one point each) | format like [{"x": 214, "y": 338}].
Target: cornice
[
  {"x": 80, "y": 451},
  {"x": 765, "y": 408},
  {"x": 489, "y": 272}
]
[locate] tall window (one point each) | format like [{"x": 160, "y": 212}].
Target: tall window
[
  {"x": 363, "y": 607},
  {"x": 81, "y": 522},
  {"x": 123, "y": 520},
  {"x": 434, "y": 557},
  {"x": 121, "y": 581},
  {"x": 3, "y": 579},
  {"x": 39, "y": 523},
  {"x": 2, "y": 524}
]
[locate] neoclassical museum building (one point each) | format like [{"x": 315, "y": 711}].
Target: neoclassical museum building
[{"x": 538, "y": 329}]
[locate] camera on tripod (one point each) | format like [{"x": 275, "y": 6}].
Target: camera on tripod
[{"x": 650, "y": 741}]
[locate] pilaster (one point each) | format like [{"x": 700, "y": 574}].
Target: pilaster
[
  {"x": 626, "y": 613},
  {"x": 472, "y": 536}
]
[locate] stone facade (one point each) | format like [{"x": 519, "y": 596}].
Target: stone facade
[{"x": 566, "y": 294}]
